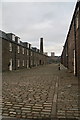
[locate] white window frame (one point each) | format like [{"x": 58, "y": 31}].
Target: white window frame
[
  {"x": 27, "y": 63},
  {"x": 77, "y": 18},
  {"x": 23, "y": 63},
  {"x": 18, "y": 61},
  {"x": 31, "y": 53},
  {"x": 18, "y": 40},
  {"x": 10, "y": 66},
  {"x": 13, "y": 37},
  {"x": 77, "y": 21},
  {"x": 10, "y": 47},
  {"x": 18, "y": 49},
  {"x": 22, "y": 50}
]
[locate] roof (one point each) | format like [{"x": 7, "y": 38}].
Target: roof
[
  {"x": 76, "y": 7},
  {"x": 4, "y": 35}
]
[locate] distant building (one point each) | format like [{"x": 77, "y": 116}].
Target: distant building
[
  {"x": 53, "y": 58},
  {"x": 46, "y": 53},
  {"x": 52, "y": 54}
]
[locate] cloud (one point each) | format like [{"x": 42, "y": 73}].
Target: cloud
[
  {"x": 39, "y": 0},
  {"x": 43, "y": 25},
  {"x": 30, "y": 21},
  {"x": 0, "y": 15}
]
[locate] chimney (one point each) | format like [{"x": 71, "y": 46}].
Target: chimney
[
  {"x": 29, "y": 46},
  {"x": 41, "y": 45}
]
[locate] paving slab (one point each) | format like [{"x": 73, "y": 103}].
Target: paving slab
[{"x": 40, "y": 93}]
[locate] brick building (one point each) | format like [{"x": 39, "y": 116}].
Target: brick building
[
  {"x": 70, "y": 57},
  {"x": 17, "y": 54}
]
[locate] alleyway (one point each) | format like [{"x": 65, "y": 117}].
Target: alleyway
[{"x": 42, "y": 92}]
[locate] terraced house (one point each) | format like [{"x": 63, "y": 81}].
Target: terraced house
[
  {"x": 70, "y": 57},
  {"x": 17, "y": 54}
]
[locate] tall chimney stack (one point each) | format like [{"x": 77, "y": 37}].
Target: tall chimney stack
[{"x": 41, "y": 45}]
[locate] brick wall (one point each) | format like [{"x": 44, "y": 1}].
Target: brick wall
[
  {"x": 0, "y": 55},
  {"x": 78, "y": 45},
  {"x": 71, "y": 47},
  {"x": 7, "y": 55},
  {"x": 26, "y": 58},
  {"x": 72, "y": 61}
]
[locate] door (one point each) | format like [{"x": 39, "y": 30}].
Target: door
[
  {"x": 10, "y": 67},
  {"x": 40, "y": 62}
]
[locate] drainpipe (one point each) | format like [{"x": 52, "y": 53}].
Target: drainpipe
[
  {"x": 67, "y": 53},
  {"x": 29, "y": 55},
  {"x": 15, "y": 56}
]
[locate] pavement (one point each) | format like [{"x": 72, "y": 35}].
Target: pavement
[{"x": 40, "y": 93}]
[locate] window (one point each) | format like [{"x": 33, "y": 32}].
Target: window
[
  {"x": 18, "y": 63},
  {"x": 10, "y": 64},
  {"x": 23, "y": 63},
  {"x": 10, "y": 47},
  {"x": 31, "y": 62},
  {"x": 27, "y": 45},
  {"x": 77, "y": 21},
  {"x": 27, "y": 63},
  {"x": 31, "y": 53},
  {"x": 22, "y": 50},
  {"x": 66, "y": 53},
  {"x": 13, "y": 37},
  {"x": 27, "y": 52},
  {"x": 77, "y": 18},
  {"x": 18, "y": 49},
  {"x": 18, "y": 40}
]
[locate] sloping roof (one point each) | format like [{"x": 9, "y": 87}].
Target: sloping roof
[
  {"x": 76, "y": 7},
  {"x": 3, "y": 35}
]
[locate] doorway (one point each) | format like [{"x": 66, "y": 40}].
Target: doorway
[
  {"x": 10, "y": 66},
  {"x": 39, "y": 62}
]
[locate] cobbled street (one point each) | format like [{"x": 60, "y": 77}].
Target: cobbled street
[{"x": 40, "y": 92}]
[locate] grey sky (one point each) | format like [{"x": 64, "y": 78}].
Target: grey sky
[{"x": 30, "y": 21}]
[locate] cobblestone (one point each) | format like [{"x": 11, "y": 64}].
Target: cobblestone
[{"x": 42, "y": 92}]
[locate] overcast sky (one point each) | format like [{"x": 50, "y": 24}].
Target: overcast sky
[{"x": 30, "y": 21}]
